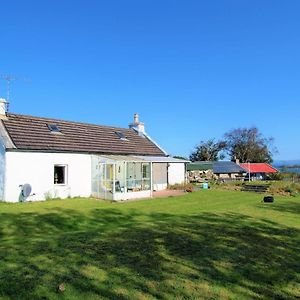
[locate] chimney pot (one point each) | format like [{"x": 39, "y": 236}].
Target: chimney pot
[
  {"x": 3, "y": 107},
  {"x": 137, "y": 125}
]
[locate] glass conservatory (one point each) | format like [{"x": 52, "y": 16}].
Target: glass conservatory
[{"x": 121, "y": 177}]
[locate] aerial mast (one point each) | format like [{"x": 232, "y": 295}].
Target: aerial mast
[{"x": 8, "y": 79}]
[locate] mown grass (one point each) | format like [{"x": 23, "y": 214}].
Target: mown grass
[{"x": 205, "y": 245}]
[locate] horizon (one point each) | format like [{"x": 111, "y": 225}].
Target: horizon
[{"x": 192, "y": 70}]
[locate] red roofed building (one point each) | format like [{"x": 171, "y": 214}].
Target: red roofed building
[{"x": 258, "y": 170}]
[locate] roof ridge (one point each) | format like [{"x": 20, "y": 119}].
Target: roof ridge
[
  {"x": 67, "y": 121},
  {"x": 258, "y": 163}
]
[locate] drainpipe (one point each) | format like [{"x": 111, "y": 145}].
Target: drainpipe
[
  {"x": 125, "y": 176},
  {"x": 168, "y": 175},
  {"x": 151, "y": 179},
  {"x": 114, "y": 181}
]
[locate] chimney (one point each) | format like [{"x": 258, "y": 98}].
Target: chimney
[
  {"x": 136, "y": 118},
  {"x": 3, "y": 107},
  {"x": 137, "y": 125}
]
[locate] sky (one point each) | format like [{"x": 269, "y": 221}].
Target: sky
[{"x": 193, "y": 70}]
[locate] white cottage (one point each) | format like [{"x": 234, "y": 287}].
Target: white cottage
[{"x": 44, "y": 158}]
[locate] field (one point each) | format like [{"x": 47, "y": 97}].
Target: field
[{"x": 205, "y": 245}]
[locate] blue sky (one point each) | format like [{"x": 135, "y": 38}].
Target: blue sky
[{"x": 192, "y": 69}]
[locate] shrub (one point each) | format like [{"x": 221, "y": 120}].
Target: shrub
[
  {"x": 48, "y": 196},
  {"x": 285, "y": 188},
  {"x": 275, "y": 176},
  {"x": 51, "y": 196}
]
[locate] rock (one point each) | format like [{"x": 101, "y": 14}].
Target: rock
[{"x": 61, "y": 288}]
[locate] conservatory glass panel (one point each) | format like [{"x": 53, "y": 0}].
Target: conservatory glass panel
[
  {"x": 138, "y": 176},
  {"x": 98, "y": 179},
  {"x": 120, "y": 177},
  {"x": 146, "y": 176},
  {"x": 101, "y": 180},
  {"x": 108, "y": 178}
]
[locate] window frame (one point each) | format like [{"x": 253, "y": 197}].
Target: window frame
[
  {"x": 65, "y": 174},
  {"x": 121, "y": 135}
]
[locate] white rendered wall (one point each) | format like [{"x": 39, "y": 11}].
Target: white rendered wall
[
  {"x": 159, "y": 176},
  {"x": 132, "y": 195},
  {"x": 176, "y": 173},
  {"x": 37, "y": 169},
  {"x": 2, "y": 170}
]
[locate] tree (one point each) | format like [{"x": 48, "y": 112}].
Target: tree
[
  {"x": 208, "y": 151},
  {"x": 249, "y": 145}
]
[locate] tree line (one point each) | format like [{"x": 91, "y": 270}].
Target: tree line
[{"x": 243, "y": 144}]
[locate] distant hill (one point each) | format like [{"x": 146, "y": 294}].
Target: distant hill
[{"x": 280, "y": 163}]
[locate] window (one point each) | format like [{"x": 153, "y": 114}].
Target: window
[
  {"x": 60, "y": 174},
  {"x": 53, "y": 128},
  {"x": 146, "y": 170},
  {"x": 138, "y": 176},
  {"x": 121, "y": 136}
]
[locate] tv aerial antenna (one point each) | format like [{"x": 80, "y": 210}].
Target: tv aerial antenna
[{"x": 9, "y": 79}]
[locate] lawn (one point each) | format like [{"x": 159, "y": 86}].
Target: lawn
[{"x": 205, "y": 245}]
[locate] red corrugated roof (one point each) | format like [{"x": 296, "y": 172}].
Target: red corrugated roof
[{"x": 258, "y": 168}]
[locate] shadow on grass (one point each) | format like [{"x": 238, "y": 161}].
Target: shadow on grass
[
  {"x": 125, "y": 255},
  {"x": 289, "y": 207}
]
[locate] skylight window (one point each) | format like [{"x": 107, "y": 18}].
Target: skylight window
[
  {"x": 53, "y": 128},
  {"x": 121, "y": 136}
]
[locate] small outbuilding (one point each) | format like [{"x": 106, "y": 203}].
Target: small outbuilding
[
  {"x": 199, "y": 171},
  {"x": 258, "y": 171},
  {"x": 228, "y": 170},
  {"x": 223, "y": 170}
]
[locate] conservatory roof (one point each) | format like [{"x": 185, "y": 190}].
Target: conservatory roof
[
  {"x": 141, "y": 158},
  {"x": 162, "y": 159}
]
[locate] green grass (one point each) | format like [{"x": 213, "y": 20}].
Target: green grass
[{"x": 205, "y": 245}]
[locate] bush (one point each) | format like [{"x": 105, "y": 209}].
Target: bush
[
  {"x": 285, "y": 188},
  {"x": 51, "y": 195},
  {"x": 275, "y": 176},
  {"x": 48, "y": 196}
]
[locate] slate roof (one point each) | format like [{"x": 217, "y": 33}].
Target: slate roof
[
  {"x": 227, "y": 167},
  {"x": 32, "y": 133},
  {"x": 259, "y": 168},
  {"x": 218, "y": 167}
]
